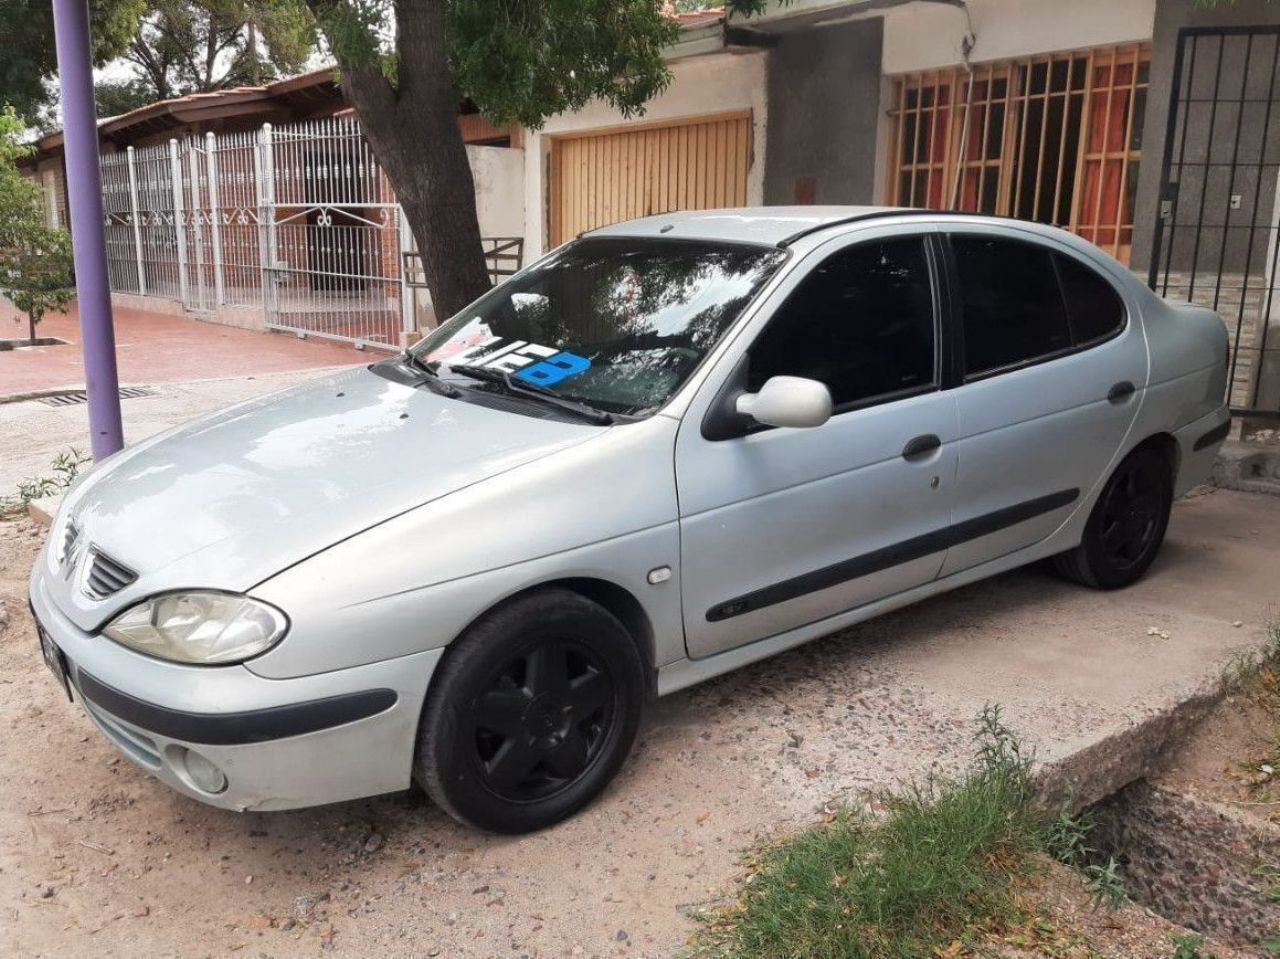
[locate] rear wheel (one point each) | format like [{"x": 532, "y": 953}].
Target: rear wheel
[
  {"x": 532, "y": 713},
  {"x": 1127, "y": 524}
]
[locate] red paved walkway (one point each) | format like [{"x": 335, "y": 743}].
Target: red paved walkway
[{"x": 155, "y": 348}]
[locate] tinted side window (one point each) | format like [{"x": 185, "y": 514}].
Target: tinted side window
[
  {"x": 861, "y": 322},
  {"x": 1094, "y": 306},
  {"x": 1013, "y": 309}
]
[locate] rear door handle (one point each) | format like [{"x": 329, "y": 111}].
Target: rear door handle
[
  {"x": 1120, "y": 392},
  {"x": 920, "y": 446}
]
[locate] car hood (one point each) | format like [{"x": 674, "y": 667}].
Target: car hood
[{"x": 231, "y": 499}]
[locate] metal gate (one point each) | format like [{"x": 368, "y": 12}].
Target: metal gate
[
  {"x": 295, "y": 227},
  {"x": 1216, "y": 233},
  {"x": 334, "y": 236}
]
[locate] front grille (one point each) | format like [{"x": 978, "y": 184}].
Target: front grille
[{"x": 106, "y": 577}]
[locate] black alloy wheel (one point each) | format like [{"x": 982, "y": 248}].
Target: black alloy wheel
[
  {"x": 542, "y": 720},
  {"x": 1127, "y": 526},
  {"x": 531, "y": 712}
]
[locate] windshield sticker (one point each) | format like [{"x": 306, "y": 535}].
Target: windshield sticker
[{"x": 531, "y": 362}]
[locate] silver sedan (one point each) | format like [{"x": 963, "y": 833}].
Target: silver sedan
[{"x": 669, "y": 448}]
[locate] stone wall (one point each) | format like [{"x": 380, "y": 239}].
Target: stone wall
[{"x": 1202, "y": 864}]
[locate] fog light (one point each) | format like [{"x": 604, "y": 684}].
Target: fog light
[{"x": 203, "y": 774}]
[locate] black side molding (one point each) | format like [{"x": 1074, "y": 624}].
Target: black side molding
[
  {"x": 236, "y": 729},
  {"x": 887, "y": 557},
  {"x": 1215, "y": 435}
]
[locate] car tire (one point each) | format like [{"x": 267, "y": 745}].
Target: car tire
[
  {"x": 531, "y": 714},
  {"x": 1127, "y": 525}
]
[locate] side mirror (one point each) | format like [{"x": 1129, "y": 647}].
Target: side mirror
[{"x": 788, "y": 401}]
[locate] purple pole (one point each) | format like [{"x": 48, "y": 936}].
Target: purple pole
[{"x": 88, "y": 242}]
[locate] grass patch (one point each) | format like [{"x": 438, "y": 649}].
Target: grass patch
[{"x": 941, "y": 868}]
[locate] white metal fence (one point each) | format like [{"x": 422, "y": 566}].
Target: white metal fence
[{"x": 296, "y": 220}]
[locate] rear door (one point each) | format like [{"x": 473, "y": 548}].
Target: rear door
[{"x": 1052, "y": 370}]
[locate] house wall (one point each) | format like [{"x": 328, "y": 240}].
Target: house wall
[
  {"x": 923, "y": 36},
  {"x": 819, "y": 154},
  {"x": 1171, "y": 17},
  {"x": 499, "y": 176},
  {"x": 700, "y": 86}
]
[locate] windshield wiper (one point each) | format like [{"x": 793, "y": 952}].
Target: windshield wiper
[
  {"x": 410, "y": 358},
  {"x": 502, "y": 377}
]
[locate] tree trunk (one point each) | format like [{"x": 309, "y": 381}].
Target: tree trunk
[
  {"x": 32, "y": 320},
  {"x": 413, "y": 130}
]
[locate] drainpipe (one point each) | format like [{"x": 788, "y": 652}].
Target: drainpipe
[{"x": 88, "y": 242}]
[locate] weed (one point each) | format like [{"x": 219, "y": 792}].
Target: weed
[
  {"x": 1247, "y": 665},
  {"x": 1065, "y": 837},
  {"x": 939, "y": 867},
  {"x": 66, "y": 467},
  {"x": 1188, "y": 947},
  {"x": 1105, "y": 884}
]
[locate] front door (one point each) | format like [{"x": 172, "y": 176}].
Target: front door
[
  {"x": 785, "y": 527},
  {"x": 1054, "y": 373}
]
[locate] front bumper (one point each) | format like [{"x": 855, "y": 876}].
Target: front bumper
[{"x": 279, "y": 743}]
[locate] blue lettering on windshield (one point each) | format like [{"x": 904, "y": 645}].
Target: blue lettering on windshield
[{"x": 553, "y": 369}]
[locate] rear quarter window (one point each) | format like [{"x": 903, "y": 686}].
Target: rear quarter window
[{"x": 1094, "y": 308}]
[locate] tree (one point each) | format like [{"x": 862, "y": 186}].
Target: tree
[
  {"x": 191, "y": 46},
  {"x": 28, "y": 59},
  {"x": 405, "y": 65},
  {"x": 114, "y": 97},
  {"x": 35, "y": 260}
]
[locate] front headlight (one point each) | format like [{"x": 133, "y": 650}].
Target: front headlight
[{"x": 199, "y": 627}]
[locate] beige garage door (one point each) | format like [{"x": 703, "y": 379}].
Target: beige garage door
[{"x": 604, "y": 177}]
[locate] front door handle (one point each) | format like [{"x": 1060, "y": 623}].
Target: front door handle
[
  {"x": 1120, "y": 392},
  {"x": 920, "y": 447}
]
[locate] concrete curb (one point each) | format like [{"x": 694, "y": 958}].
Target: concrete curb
[
  {"x": 1250, "y": 467},
  {"x": 1088, "y": 775},
  {"x": 44, "y": 510}
]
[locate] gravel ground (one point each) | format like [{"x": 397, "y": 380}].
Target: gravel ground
[{"x": 96, "y": 858}]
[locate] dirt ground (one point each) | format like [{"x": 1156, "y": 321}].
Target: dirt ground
[
  {"x": 1233, "y": 757},
  {"x": 96, "y": 858},
  {"x": 1073, "y": 925}
]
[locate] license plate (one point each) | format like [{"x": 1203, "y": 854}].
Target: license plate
[{"x": 54, "y": 658}]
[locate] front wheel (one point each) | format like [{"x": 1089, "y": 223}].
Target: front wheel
[
  {"x": 533, "y": 712},
  {"x": 1127, "y": 524}
]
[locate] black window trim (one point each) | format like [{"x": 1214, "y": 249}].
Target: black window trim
[
  {"x": 935, "y": 269},
  {"x": 955, "y": 313}
]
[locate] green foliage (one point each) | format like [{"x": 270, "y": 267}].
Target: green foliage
[
  {"x": 1188, "y": 947},
  {"x": 941, "y": 864},
  {"x": 1066, "y": 837},
  {"x": 28, "y": 59},
  {"x": 522, "y": 61},
  {"x": 114, "y": 97},
  {"x": 1105, "y": 883},
  {"x": 66, "y": 467},
  {"x": 35, "y": 261},
  {"x": 188, "y": 46}
]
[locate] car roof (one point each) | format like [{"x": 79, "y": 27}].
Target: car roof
[
  {"x": 782, "y": 225},
  {"x": 760, "y": 224}
]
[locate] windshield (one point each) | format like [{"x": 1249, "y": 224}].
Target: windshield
[{"x": 618, "y": 324}]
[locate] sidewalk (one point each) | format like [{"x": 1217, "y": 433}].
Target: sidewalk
[
  {"x": 156, "y": 348},
  {"x": 32, "y": 433}
]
